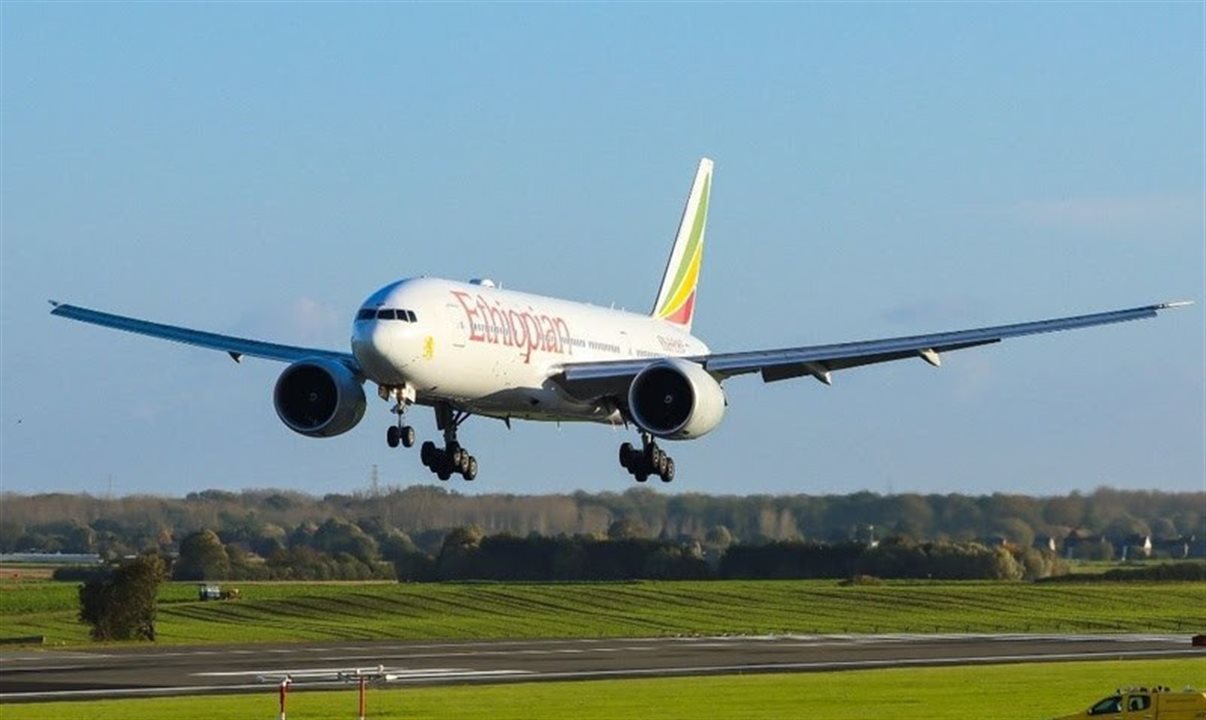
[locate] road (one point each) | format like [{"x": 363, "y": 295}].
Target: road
[{"x": 38, "y": 675}]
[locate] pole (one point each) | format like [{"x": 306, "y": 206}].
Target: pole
[
  {"x": 284, "y": 694},
  {"x": 363, "y": 679}
]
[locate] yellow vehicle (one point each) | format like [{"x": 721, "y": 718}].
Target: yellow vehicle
[{"x": 1158, "y": 703}]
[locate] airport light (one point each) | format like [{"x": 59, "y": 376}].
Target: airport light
[
  {"x": 284, "y": 692},
  {"x": 360, "y": 676}
]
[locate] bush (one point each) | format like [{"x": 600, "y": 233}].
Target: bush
[
  {"x": 861, "y": 580},
  {"x": 1170, "y": 572},
  {"x": 120, "y": 605}
]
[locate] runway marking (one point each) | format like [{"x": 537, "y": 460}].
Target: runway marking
[
  {"x": 479, "y": 653},
  {"x": 460, "y": 675},
  {"x": 838, "y": 665},
  {"x": 615, "y": 644},
  {"x": 318, "y": 675},
  {"x": 302, "y": 672}
]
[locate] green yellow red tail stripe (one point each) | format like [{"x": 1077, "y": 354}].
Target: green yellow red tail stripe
[{"x": 676, "y": 298}]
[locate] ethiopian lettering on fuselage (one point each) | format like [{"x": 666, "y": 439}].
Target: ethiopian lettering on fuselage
[{"x": 528, "y": 330}]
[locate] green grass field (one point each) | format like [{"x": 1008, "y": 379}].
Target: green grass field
[
  {"x": 284, "y": 612},
  {"x": 994, "y": 692}
]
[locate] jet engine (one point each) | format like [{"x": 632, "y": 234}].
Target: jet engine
[
  {"x": 676, "y": 399},
  {"x": 319, "y": 398}
]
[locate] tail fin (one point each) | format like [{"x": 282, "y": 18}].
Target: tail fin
[{"x": 676, "y": 298}]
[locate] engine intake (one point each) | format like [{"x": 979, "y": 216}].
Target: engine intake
[
  {"x": 319, "y": 398},
  {"x": 676, "y": 399}
]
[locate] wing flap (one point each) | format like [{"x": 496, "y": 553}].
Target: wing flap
[{"x": 236, "y": 347}]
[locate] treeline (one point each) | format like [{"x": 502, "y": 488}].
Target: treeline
[
  {"x": 468, "y": 554},
  {"x": 267, "y": 523},
  {"x": 1172, "y": 572},
  {"x": 896, "y": 558}
]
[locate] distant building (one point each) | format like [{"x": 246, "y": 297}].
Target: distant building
[
  {"x": 1134, "y": 547},
  {"x": 1080, "y": 544},
  {"x": 1173, "y": 548},
  {"x": 1184, "y": 547},
  {"x": 41, "y": 558},
  {"x": 1045, "y": 542}
]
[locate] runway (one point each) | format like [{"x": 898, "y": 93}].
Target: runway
[{"x": 40, "y": 675}]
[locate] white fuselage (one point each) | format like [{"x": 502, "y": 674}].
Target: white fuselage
[{"x": 492, "y": 352}]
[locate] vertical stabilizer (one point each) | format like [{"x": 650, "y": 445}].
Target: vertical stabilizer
[{"x": 676, "y": 297}]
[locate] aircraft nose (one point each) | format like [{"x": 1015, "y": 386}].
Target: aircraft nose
[{"x": 375, "y": 346}]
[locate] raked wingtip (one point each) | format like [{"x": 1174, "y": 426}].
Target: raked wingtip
[{"x": 1175, "y": 304}]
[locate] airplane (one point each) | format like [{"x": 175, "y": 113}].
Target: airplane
[{"x": 475, "y": 348}]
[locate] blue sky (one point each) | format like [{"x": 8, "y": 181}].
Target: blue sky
[{"x": 881, "y": 169}]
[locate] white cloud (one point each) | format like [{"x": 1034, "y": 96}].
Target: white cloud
[
  {"x": 303, "y": 320},
  {"x": 1105, "y": 212}
]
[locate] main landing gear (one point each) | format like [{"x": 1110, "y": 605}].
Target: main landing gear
[
  {"x": 452, "y": 459},
  {"x": 649, "y": 460}
]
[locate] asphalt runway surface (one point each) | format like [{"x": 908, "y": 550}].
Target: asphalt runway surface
[{"x": 31, "y": 675}]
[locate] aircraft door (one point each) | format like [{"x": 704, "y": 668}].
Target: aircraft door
[{"x": 457, "y": 321}]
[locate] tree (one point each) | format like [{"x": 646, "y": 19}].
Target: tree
[
  {"x": 341, "y": 536},
  {"x": 121, "y": 605},
  {"x": 202, "y": 557},
  {"x": 1164, "y": 528},
  {"x": 10, "y": 533},
  {"x": 1069, "y": 510},
  {"x": 1016, "y": 531},
  {"x": 1124, "y": 525},
  {"x": 718, "y": 536},
  {"x": 626, "y": 529},
  {"x": 397, "y": 545}
]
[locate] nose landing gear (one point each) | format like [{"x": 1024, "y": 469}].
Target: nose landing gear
[
  {"x": 399, "y": 434},
  {"x": 649, "y": 460}
]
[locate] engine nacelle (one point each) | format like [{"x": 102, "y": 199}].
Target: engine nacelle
[
  {"x": 676, "y": 399},
  {"x": 319, "y": 398}
]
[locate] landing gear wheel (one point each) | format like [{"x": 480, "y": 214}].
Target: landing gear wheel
[
  {"x": 668, "y": 473},
  {"x": 660, "y": 462},
  {"x": 462, "y": 463},
  {"x": 427, "y": 453},
  {"x": 393, "y": 436},
  {"x": 626, "y": 453},
  {"x": 641, "y": 476},
  {"x": 443, "y": 474},
  {"x": 408, "y": 436},
  {"x": 470, "y": 472}
]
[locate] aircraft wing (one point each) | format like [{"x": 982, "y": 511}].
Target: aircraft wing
[
  {"x": 236, "y": 347},
  {"x": 598, "y": 379}
]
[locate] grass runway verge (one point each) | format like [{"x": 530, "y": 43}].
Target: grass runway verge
[
  {"x": 294, "y": 612},
  {"x": 993, "y": 692}
]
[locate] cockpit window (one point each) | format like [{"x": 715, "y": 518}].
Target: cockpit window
[{"x": 387, "y": 314}]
